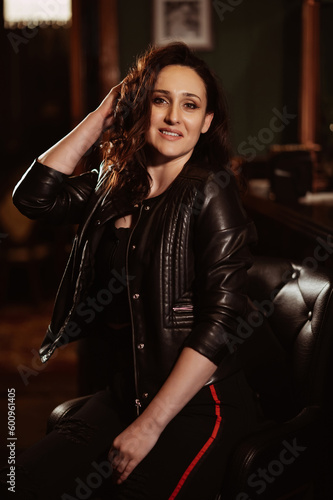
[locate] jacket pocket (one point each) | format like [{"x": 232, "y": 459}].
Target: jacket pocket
[{"x": 182, "y": 315}]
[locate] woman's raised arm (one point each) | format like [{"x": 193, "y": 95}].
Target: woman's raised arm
[{"x": 65, "y": 154}]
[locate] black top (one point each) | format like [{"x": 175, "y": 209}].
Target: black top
[{"x": 109, "y": 289}]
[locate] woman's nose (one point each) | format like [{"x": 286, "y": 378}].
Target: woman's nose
[{"x": 173, "y": 114}]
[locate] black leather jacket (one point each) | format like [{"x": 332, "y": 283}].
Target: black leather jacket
[{"x": 187, "y": 271}]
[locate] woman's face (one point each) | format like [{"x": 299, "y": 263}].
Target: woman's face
[{"x": 178, "y": 114}]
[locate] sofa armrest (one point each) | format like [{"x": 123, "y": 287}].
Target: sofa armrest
[
  {"x": 65, "y": 410},
  {"x": 277, "y": 458}
]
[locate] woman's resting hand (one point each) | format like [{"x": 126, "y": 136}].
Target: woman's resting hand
[
  {"x": 191, "y": 371},
  {"x": 131, "y": 446}
]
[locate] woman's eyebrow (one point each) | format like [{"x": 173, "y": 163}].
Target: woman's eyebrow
[{"x": 167, "y": 92}]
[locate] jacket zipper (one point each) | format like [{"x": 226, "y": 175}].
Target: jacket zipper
[
  {"x": 185, "y": 308},
  {"x": 137, "y": 400},
  {"x": 45, "y": 357}
]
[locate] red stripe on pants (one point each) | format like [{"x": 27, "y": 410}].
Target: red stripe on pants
[{"x": 204, "y": 448}]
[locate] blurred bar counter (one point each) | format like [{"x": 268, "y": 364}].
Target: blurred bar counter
[{"x": 300, "y": 228}]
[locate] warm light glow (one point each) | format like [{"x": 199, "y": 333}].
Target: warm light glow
[
  {"x": 331, "y": 127},
  {"x": 20, "y": 13}
]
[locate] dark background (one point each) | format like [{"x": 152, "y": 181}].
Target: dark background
[{"x": 257, "y": 53}]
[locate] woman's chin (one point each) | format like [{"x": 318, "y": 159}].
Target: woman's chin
[{"x": 163, "y": 156}]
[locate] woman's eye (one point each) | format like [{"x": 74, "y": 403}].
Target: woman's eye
[
  {"x": 158, "y": 100},
  {"x": 191, "y": 105}
]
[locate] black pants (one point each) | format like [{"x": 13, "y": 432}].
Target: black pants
[{"x": 187, "y": 462}]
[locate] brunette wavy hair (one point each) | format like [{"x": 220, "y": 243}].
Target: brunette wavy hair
[{"x": 124, "y": 149}]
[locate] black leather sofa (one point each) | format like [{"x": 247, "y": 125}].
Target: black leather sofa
[{"x": 285, "y": 459}]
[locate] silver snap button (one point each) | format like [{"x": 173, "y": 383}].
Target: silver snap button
[
  {"x": 98, "y": 222},
  {"x": 147, "y": 207},
  {"x": 140, "y": 346},
  {"x": 136, "y": 296},
  {"x": 133, "y": 247},
  {"x": 145, "y": 395}
]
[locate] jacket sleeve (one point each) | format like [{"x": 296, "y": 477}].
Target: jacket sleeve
[
  {"x": 222, "y": 234},
  {"x": 46, "y": 194}
]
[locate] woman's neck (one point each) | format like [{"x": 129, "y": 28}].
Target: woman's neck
[{"x": 163, "y": 174}]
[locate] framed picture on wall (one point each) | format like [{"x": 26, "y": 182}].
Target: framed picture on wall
[{"x": 188, "y": 21}]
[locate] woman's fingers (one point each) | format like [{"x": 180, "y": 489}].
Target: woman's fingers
[
  {"x": 114, "y": 456},
  {"x": 107, "y": 106},
  {"x": 118, "y": 460},
  {"x": 114, "y": 92},
  {"x": 126, "y": 472},
  {"x": 122, "y": 466},
  {"x": 117, "y": 88}
]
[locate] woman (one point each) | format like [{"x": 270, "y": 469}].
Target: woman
[{"x": 157, "y": 278}]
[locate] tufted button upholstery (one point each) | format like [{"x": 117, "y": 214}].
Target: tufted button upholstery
[
  {"x": 299, "y": 302},
  {"x": 298, "y": 294}
]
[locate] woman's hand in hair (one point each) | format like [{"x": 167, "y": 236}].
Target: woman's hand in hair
[
  {"x": 65, "y": 154},
  {"x": 108, "y": 105}
]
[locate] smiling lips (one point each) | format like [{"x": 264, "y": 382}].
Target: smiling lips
[{"x": 169, "y": 134}]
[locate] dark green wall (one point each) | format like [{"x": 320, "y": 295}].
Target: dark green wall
[{"x": 256, "y": 55}]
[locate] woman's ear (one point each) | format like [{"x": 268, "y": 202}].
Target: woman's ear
[{"x": 207, "y": 121}]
